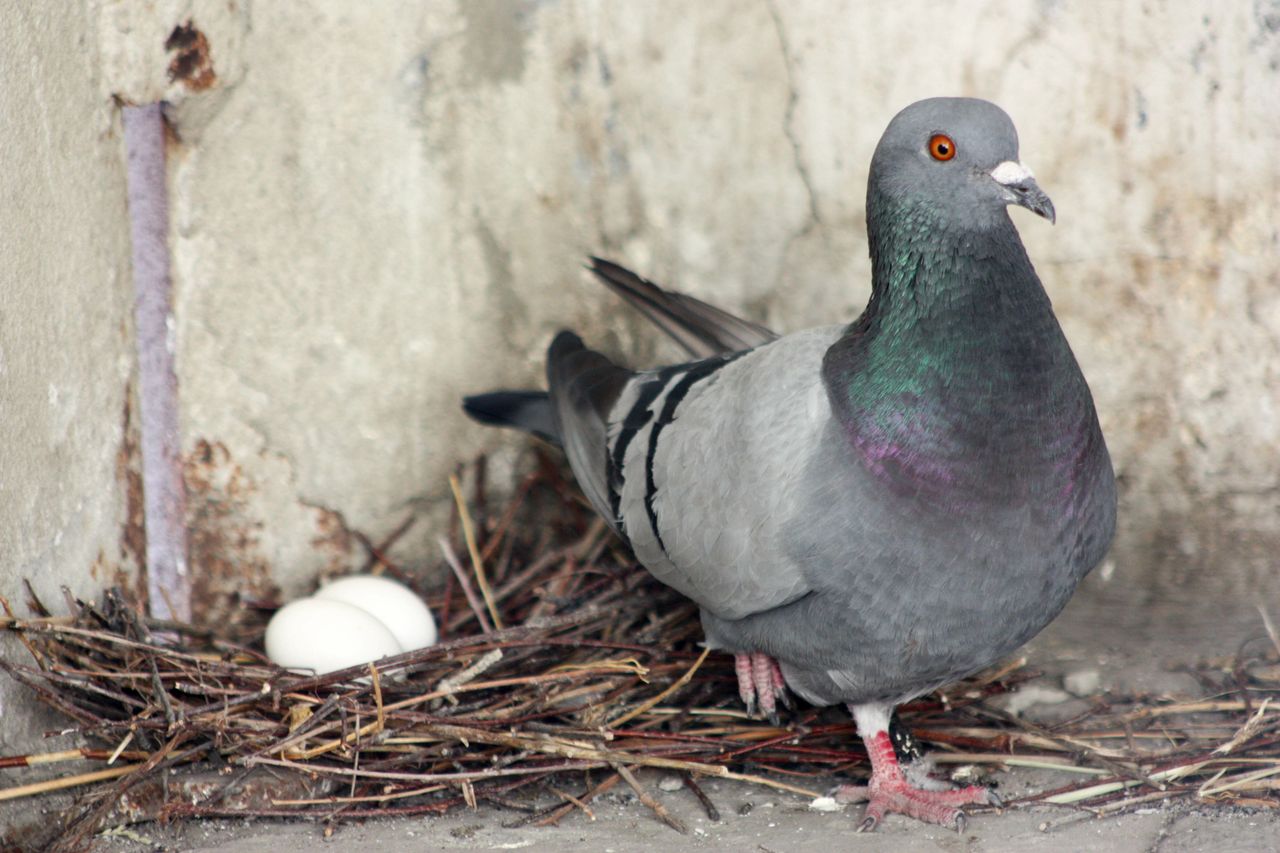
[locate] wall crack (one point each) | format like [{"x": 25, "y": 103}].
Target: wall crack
[{"x": 788, "y": 119}]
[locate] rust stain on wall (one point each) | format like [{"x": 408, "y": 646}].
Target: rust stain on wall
[
  {"x": 192, "y": 63},
  {"x": 133, "y": 534},
  {"x": 333, "y": 539},
  {"x": 227, "y": 567},
  {"x": 130, "y": 574}
]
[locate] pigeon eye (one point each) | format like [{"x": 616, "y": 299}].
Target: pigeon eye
[{"x": 941, "y": 147}]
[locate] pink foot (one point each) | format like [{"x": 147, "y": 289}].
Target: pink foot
[
  {"x": 760, "y": 684},
  {"x": 889, "y": 791}
]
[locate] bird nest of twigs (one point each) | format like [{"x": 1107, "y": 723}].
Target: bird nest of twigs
[{"x": 563, "y": 668}]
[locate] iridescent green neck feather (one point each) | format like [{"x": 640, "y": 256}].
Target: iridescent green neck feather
[{"x": 957, "y": 379}]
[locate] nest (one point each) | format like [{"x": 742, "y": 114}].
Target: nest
[{"x": 562, "y": 669}]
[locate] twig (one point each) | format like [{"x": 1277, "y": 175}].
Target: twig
[
  {"x": 713, "y": 813},
  {"x": 373, "y": 798},
  {"x": 656, "y": 807},
  {"x": 1097, "y": 754},
  {"x": 469, "y": 534},
  {"x": 458, "y": 572},
  {"x": 20, "y": 791},
  {"x": 378, "y": 553},
  {"x": 603, "y": 787},
  {"x": 450, "y": 684},
  {"x": 83, "y": 753},
  {"x": 575, "y": 801},
  {"x": 1270, "y": 628},
  {"x": 1046, "y": 762},
  {"x": 1247, "y": 731},
  {"x": 649, "y": 703}
]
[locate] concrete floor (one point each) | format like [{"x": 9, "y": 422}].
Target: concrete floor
[{"x": 775, "y": 823}]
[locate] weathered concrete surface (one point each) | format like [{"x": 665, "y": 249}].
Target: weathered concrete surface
[
  {"x": 781, "y": 824},
  {"x": 66, "y": 354},
  {"x": 390, "y": 206}
]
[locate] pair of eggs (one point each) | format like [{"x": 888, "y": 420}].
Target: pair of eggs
[{"x": 350, "y": 621}]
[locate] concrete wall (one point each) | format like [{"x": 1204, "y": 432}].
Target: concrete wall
[
  {"x": 391, "y": 208},
  {"x": 379, "y": 207},
  {"x": 66, "y": 350}
]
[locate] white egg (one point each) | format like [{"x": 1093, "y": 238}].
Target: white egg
[
  {"x": 391, "y": 603},
  {"x": 320, "y": 635}
]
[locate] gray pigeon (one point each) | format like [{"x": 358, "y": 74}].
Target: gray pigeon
[{"x": 869, "y": 511}]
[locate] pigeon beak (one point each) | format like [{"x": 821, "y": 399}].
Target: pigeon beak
[{"x": 1021, "y": 189}]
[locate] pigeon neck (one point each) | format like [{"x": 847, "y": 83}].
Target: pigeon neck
[
  {"x": 928, "y": 272},
  {"x": 957, "y": 379}
]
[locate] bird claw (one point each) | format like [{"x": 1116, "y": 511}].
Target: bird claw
[
  {"x": 761, "y": 685},
  {"x": 898, "y": 797},
  {"x": 994, "y": 799}
]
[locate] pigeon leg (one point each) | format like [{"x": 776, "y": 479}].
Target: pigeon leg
[
  {"x": 889, "y": 791},
  {"x": 760, "y": 684}
]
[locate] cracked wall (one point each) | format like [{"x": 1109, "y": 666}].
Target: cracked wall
[
  {"x": 390, "y": 211},
  {"x": 379, "y": 209}
]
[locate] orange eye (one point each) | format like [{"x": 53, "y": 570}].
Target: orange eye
[{"x": 941, "y": 147}]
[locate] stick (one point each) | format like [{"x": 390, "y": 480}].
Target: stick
[
  {"x": 469, "y": 534},
  {"x": 67, "y": 782},
  {"x": 83, "y": 753},
  {"x": 1270, "y": 628},
  {"x": 451, "y": 683},
  {"x": 575, "y": 801},
  {"x": 713, "y": 813},
  {"x": 456, "y": 565},
  {"x": 561, "y": 811},
  {"x": 649, "y": 703},
  {"x": 373, "y": 798},
  {"x": 658, "y": 808}
]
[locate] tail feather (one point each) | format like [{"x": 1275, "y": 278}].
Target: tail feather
[
  {"x": 701, "y": 329},
  {"x": 529, "y": 411},
  {"x": 585, "y": 385}
]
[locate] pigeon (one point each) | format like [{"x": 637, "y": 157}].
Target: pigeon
[{"x": 863, "y": 512}]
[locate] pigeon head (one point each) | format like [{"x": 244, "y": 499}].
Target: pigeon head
[{"x": 957, "y": 156}]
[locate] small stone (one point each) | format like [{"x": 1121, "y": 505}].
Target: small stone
[
  {"x": 1083, "y": 682},
  {"x": 745, "y": 809},
  {"x": 825, "y": 804},
  {"x": 670, "y": 783},
  {"x": 1017, "y": 703}
]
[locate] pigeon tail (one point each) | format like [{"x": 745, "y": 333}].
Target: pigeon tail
[
  {"x": 585, "y": 385},
  {"x": 527, "y": 411},
  {"x": 700, "y": 329}
]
